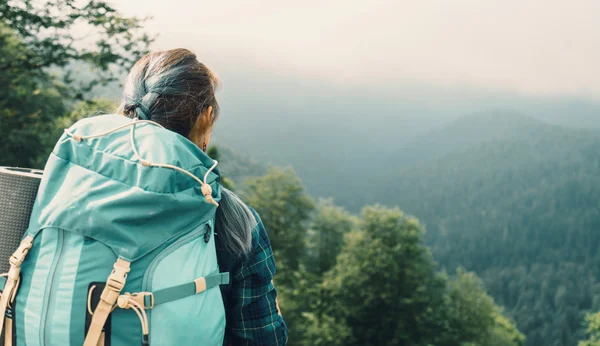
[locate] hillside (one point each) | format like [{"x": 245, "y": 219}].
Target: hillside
[{"x": 515, "y": 200}]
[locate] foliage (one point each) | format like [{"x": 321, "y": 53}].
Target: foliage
[
  {"x": 285, "y": 207},
  {"x": 52, "y": 36},
  {"x": 325, "y": 330},
  {"x": 27, "y": 109},
  {"x": 384, "y": 284},
  {"x": 326, "y": 234},
  {"x": 518, "y": 205},
  {"x": 476, "y": 317},
  {"x": 214, "y": 153},
  {"x": 235, "y": 166},
  {"x": 593, "y": 329},
  {"x": 384, "y": 289},
  {"x": 34, "y": 41}
]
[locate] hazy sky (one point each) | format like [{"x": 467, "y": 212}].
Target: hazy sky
[{"x": 536, "y": 47}]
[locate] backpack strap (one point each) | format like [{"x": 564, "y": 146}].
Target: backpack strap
[
  {"x": 142, "y": 301},
  {"x": 110, "y": 294},
  {"x": 11, "y": 280},
  {"x": 148, "y": 300}
]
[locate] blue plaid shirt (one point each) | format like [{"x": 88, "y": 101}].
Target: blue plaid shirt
[{"x": 253, "y": 316}]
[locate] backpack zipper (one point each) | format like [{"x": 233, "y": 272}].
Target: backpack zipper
[
  {"x": 164, "y": 253},
  {"x": 207, "y": 234},
  {"x": 49, "y": 294},
  {"x": 167, "y": 251}
]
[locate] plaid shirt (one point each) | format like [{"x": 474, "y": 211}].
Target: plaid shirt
[{"x": 250, "y": 299}]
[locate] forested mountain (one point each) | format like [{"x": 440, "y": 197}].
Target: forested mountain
[
  {"x": 516, "y": 200},
  {"x": 508, "y": 196}
]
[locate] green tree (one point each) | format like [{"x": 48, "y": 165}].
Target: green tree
[
  {"x": 325, "y": 330},
  {"x": 384, "y": 285},
  {"x": 37, "y": 40},
  {"x": 285, "y": 208},
  {"x": 48, "y": 31},
  {"x": 326, "y": 235},
  {"x": 384, "y": 289},
  {"x": 475, "y": 316},
  {"x": 593, "y": 330},
  {"x": 28, "y": 107}
]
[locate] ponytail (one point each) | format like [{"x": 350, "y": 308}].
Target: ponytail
[{"x": 234, "y": 224}]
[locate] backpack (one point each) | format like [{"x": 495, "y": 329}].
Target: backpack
[{"x": 120, "y": 247}]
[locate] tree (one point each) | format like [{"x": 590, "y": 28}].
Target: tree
[
  {"x": 326, "y": 235},
  {"x": 111, "y": 40},
  {"x": 384, "y": 289},
  {"x": 285, "y": 208},
  {"x": 593, "y": 329},
  {"x": 28, "y": 107},
  {"x": 39, "y": 42},
  {"x": 476, "y": 318},
  {"x": 384, "y": 284}
]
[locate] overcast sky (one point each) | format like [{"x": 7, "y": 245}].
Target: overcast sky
[{"x": 542, "y": 48}]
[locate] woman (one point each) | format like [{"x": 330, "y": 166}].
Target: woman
[{"x": 175, "y": 90}]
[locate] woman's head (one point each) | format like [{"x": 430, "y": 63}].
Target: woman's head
[{"x": 175, "y": 90}]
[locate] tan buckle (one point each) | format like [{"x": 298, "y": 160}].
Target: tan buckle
[
  {"x": 115, "y": 282},
  {"x": 19, "y": 255},
  {"x": 138, "y": 297},
  {"x": 118, "y": 277}
]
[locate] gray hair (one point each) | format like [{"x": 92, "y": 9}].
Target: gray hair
[
  {"x": 234, "y": 224},
  {"x": 172, "y": 88}
]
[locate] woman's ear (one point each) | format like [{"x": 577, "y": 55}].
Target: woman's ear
[
  {"x": 202, "y": 129},
  {"x": 204, "y": 121}
]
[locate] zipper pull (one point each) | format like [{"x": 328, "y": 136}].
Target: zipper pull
[{"x": 207, "y": 234}]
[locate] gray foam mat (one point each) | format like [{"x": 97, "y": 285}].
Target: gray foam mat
[{"x": 18, "y": 189}]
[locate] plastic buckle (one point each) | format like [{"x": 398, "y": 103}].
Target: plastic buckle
[
  {"x": 113, "y": 282},
  {"x": 118, "y": 277},
  {"x": 19, "y": 255},
  {"x": 140, "y": 298}
]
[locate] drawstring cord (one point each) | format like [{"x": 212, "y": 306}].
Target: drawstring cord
[
  {"x": 206, "y": 189},
  {"x": 125, "y": 302}
]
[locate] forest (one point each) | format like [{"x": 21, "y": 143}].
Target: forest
[{"x": 481, "y": 232}]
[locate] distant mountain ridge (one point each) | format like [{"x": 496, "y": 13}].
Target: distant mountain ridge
[
  {"x": 465, "y": 132},
  {"x": 517, "y": 200}
]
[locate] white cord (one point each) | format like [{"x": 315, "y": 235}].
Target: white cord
[
  {"x": 79, "y": 138},
  {"x": 206, "y": 189}
]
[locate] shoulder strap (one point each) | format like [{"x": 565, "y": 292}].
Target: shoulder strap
[
  {"x": 110, "y": 294},
  {"x": 11, "y": 279}
]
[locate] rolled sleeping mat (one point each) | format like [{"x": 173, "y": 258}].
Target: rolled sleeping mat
[{"x": 18, "y": 189}]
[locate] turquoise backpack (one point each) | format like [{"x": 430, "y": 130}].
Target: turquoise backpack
[{"x": 120, "y": 247}]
